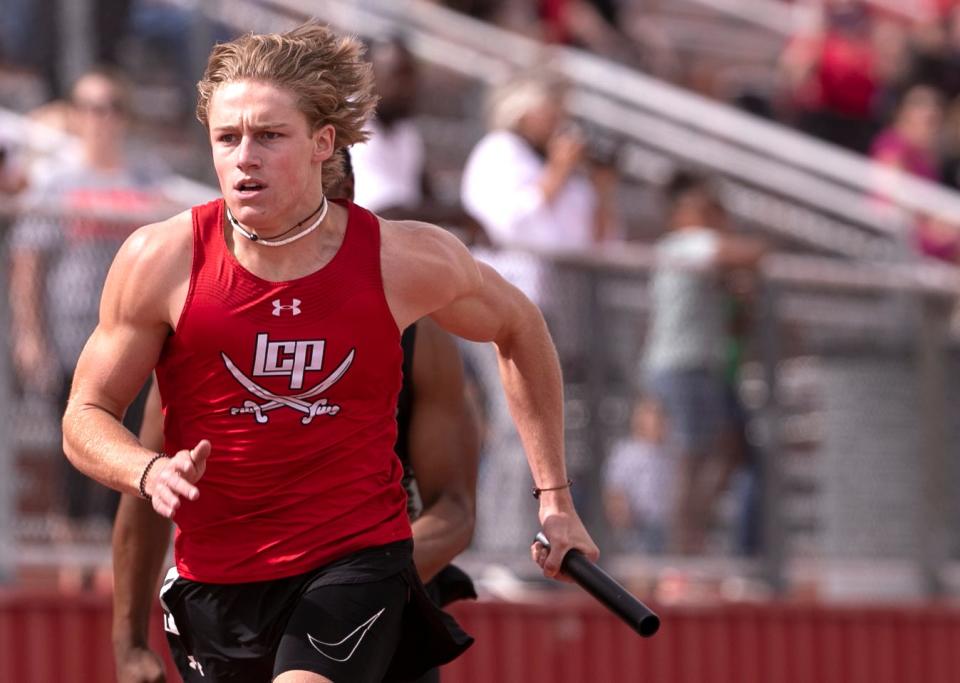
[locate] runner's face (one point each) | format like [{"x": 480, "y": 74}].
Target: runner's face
[{"x": 267, "y": 159}]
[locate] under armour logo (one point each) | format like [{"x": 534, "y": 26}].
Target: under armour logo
[{"x": 292, "y": 307}]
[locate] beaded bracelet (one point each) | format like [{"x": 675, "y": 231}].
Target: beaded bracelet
[{"x": 146, "y": 471}]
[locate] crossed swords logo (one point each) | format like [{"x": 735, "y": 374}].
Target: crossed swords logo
[{"x": 298, "y": 402}]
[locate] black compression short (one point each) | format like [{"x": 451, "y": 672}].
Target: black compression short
[{"x": 355, "y": 631}]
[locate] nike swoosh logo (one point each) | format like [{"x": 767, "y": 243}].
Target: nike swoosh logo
[{"x": 350, "y": 642}]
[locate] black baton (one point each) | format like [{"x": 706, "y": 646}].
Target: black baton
[{"x": 607, "y": 591}]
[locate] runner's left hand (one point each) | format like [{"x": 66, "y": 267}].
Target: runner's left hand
[{"x": 564, "y": 530}]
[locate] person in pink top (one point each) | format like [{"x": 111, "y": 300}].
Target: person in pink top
[{"x": 910, "y": 142}]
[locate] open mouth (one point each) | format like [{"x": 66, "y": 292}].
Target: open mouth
[{"x": 249, "y": 186}]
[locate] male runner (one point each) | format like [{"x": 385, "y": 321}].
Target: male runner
[{"x": 273, "y": 320}]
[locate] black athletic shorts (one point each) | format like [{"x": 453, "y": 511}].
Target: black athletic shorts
[
  {"x": 365, "y": 618},
  {"x": 449, "y": 585}
]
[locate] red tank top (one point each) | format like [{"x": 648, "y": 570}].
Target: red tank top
[{"x": 295, "y": 384}]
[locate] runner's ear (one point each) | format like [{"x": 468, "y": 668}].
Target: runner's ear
[{"x": 323, "y": 142}]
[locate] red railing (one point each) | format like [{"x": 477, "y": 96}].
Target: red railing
[{"x": 47, "y": 638}]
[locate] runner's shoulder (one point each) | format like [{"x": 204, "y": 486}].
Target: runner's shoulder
[
  {"x": 157, "y": 247},
  {"x": 433, "y": 252}
]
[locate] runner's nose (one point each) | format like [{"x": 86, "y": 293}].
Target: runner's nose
[{"x": 247, "y": 155}]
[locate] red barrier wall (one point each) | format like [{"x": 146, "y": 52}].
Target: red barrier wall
[
  {"x": 48, "y": 638},
  {"x": 578, "y": 642}
]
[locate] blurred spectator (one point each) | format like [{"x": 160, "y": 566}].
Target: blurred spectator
[
  {"x": 639, "y": 483},
  {"x": 527, "y": 181},
  {"x": 687, "y": 343},
  {"x": 832, "y": 76},
  {"x": 910, "y": 143},
  {"x": 530, "y": 184},
  {"x": 391, "y": 165},
  {"x": 74, "y": 221}
]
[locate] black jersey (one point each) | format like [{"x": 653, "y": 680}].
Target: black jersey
[{"x": 404, "y": 415}]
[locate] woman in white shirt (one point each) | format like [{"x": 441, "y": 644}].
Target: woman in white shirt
[{"x": 525, "y": 181}]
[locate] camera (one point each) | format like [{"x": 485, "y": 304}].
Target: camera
[{"x": 602, "y": 147}]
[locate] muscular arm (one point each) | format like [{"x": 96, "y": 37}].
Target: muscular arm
[
  {"x": 149, "y": 275},
  {"x": 444, "y": 451},
  {"x": 140, "y": 540},
  {"x": 427, "y": 272}
]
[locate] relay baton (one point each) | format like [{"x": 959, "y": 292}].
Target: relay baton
[{"x": 607, "y": 591}]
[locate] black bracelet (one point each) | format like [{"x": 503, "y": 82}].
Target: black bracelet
[
  {"x": 146, "y": 471},
  {"x": 537, "y": 490}
]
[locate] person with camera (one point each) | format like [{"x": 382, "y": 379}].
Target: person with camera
[{"x": 531, "y": 181}]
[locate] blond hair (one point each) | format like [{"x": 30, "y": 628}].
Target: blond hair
[
  {"x": 509, "y": 101},
  {"x": 325, "y": 71}
]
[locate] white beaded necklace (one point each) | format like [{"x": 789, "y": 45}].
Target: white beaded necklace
[{"x": 276, "y": 242}]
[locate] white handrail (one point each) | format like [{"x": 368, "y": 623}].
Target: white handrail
[
  {"x": 784, "y": 269},
  {"x": 756, "y": 169},
  {"x": 773, "y": 140}
]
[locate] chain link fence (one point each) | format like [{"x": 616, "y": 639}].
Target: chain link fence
[{"x": 848, "y": 483}]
